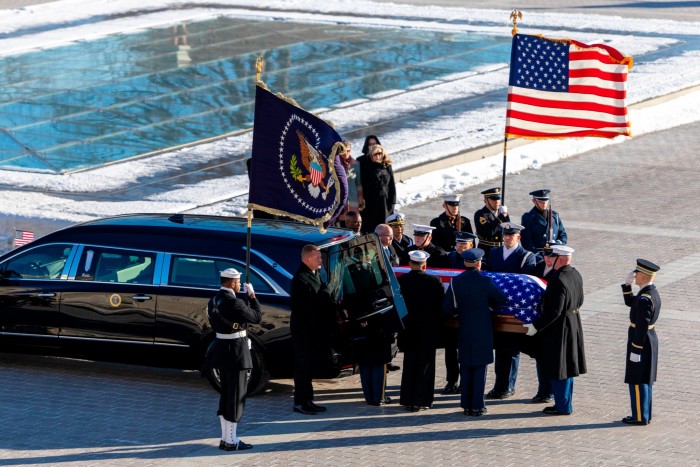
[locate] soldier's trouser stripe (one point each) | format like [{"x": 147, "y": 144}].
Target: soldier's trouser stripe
[{"x": 638, "y": 402}]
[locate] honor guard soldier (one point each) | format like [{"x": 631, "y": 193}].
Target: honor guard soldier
[
  {"x": 509, "y": 258},
  {"x": 487, "y": 220},
  {"x": 463, "y": 241},
  {"x": 422, "y": 240},
  {"x": 543, "y": 226},
  {"x": 400, "y": 242},
  {"x": 229, "y": 317},
  {"x": 642, "y": 343},
  {"x": 449, "y": 222}
]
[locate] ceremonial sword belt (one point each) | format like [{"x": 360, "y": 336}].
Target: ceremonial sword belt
[
  {"x": 633, "y": 325},
  {"x": 488, "y": 243},
  {"x": 233, "y": 335}
]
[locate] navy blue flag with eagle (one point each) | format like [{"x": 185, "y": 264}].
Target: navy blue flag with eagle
[{"x": 296, "y": 169}]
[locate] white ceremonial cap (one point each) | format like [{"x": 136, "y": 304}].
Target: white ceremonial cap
[
  {"x": 396, "y": 219},
  {"x": 230, "y": 273},
  {"x": 452, "y": 198},
  {"x": 419, "y": 229},
  {"x": 419, "y": 256},
  {"x": 562, "y": 250}
]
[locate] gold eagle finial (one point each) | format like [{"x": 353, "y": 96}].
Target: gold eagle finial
[{"x": 515, "y": 15}]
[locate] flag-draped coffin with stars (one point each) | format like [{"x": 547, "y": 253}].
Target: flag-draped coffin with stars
[
  {"x": 295, "y": 168},
  {"x": 565, "y": 88}
]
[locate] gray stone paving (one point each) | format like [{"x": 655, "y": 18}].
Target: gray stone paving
[{"x": 58, "y": 411}]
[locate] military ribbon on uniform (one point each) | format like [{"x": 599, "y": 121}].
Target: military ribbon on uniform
[{"x": 295, "y": 170}]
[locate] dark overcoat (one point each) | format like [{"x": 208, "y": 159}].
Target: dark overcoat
[
  {"x": 536, "y": 235},
  {"x": 444, "y": 233},
  {"x": 438, "y": 256},
  {"x": 401, "y": 248},
  {"x": 470, "y": 295},
  {"x": 641, "y": 336},
  {"x": 227, "y": 314},
  {"x": 560, "y": 334},
  {"x": 378, "y": 191}
]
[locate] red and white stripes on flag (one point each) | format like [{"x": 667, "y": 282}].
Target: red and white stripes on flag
[
  {"x": 565, "y": 88},
  {"x": 22, "y": 237}
]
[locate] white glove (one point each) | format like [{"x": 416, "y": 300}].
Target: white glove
[
  {"x": 629, "y": 278},
  {"x": 635, "y": 357},
  {"x": 248, "y": 289},
  {"x": 502, "y": 209},
  {"x": 531, "y": 331}
]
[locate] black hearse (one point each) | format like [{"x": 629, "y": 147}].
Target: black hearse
[{"x": 135, "y": 288}]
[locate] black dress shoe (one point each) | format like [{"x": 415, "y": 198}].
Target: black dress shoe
[
  {"x": 633, "y": 421},
  {"x": 542, "y": 399},
  {"x": 239, "y": 446},
  {"x": 479, "y": 412},
  {"x": 450, "y": 388},
  {"x": 386, "y": 400},
  {"x": 392, "y": 367},
  {"x": 306, "y": 409},
  {"x": 552, "y": 410},
  {"x": 316, "y": 407},
  {"x": 493, "y": 394}
]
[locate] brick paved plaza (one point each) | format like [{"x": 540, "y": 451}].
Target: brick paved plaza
[{"x": 631, "y": 200}]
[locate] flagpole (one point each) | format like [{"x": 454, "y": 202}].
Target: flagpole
[
  {"x": 503, "y": 179},
  {"x": 247, "y": 248}
]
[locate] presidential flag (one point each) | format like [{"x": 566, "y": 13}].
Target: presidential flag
[
  {"x": 564, "y": 88},
  {"x": 295, "y": 166},
  {"x": 524, "y": 292},
  {"x": 22, "y": 237}
]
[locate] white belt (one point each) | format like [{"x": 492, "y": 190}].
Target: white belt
[{"x": 234, "y": 335}]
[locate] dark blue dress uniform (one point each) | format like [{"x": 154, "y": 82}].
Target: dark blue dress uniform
[
  {"x": 642, "y": 340},
  {"x": 488, "y": 223},
  {"x": 470, "y": 295},
  {"x": 401, "y": 248},
  {"x": 446, "y": 226},
  {"x": 536, "y": 222},
  {"x": 438, "y": 256}
]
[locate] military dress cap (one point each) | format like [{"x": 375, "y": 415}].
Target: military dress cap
[
  {"x": 646, "y": 267},
  {"x": 418, "y": 256},
  {"x": 396, "y": 219},
  {"x": 562, "y": 250},
  {"x": 452, "y": 199},
  {"x": 548, "y": 251},
  {"x": 541, "y": 195},
  {"x": 511, "y": 227},
  {"x": 230, "y": 273},
  {"x": 492, "y": 193},
  {"x": 419, "y": 229},
  {"x": 473, "y": 256},
  {"x": 464, "y": 237}
]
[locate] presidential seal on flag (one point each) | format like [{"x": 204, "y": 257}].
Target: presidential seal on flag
[{"x": 295, "y": 170}]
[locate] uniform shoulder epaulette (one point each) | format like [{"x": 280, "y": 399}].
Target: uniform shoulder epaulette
[{"x": 647, "y": 296}]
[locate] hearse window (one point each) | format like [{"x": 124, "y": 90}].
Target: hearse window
[
  {"x": 114, "y": 265},
  {"x": 188, "y": 271},
  {"x": 43, "y": 262},
  {"x": 356, "y": 273}
]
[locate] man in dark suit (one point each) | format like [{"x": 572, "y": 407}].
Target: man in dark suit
[
  {"x": 511, "y": 258},
  {"x": 487, "y": 220},
  {"x": 383, "y": 231},
  {"x": 642, "y": 343},
  {"x": 423, "y": 296},
  {"x": 536, "y": 233},
  {"x": 560, "y": 331},
  {"x": 449, "y": 222},
  {"x": 313, "y": 313},
  {"x": 470, "y": 295},
  {"x": 229, "y": 317}
]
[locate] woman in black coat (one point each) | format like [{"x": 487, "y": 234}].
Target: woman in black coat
[{"x": 378, "y": 190}]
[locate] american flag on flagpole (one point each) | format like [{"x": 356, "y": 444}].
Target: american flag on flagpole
[
  {"x": 565, "y": 88},
  {"x": 22, "y": 237}
]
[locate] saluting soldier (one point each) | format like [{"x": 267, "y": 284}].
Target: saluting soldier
[
  {"x": 422, "y": 240},
  {"x": 536, "y": 234},
  {"x": 642, "y": 343},
  {"x": 400, "y": 242},
  {"x": 229, "y": 317},
  {"x": 488, "y": 220},
  {"x": 449, "y": 222}
]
